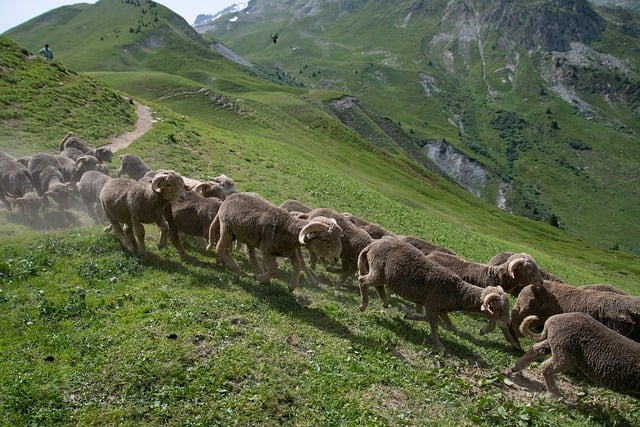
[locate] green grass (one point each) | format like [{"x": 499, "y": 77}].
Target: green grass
[{"x": 93, "y": 335}]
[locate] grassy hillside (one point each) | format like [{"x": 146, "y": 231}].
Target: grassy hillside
[
  {"x": 96, "y": 336},
  {"x": 557, "y": 133}
]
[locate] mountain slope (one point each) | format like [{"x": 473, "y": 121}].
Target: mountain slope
[
  {"x": 93, "y": 335},
  {"x": 550, "y": 116}
]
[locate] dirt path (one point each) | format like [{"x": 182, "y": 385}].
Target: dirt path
[{"x": 143, "y": 124}]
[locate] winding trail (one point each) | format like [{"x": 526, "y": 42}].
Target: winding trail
[{"x": 143, "y": 124}]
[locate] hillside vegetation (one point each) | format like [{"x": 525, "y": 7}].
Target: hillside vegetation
[
  {"x": 547, "y": 120},
  {"x": 96, "y": 336}
]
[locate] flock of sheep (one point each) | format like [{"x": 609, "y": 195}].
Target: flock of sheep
[{"x": 594, "y": 328}]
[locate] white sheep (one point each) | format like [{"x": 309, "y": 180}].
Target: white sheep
[
  {"x": 576, "y": 340},
  {"x": 134, "y": 203}
]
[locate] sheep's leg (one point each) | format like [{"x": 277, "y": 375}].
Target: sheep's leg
[
  {"x": 556, "y": 364},
  {"x": 222, "y": 248},
  {"x": 296, "y": 266},
  {"x": 508, "y": 335},
  {"x": 271, "y": 267},
  {"x": 488, "y": 327},
  {"x": 253, "y": 260},
  {"x": 310, "y": 276},
  {"x": 363, "y": 283},
  {"x": 120, "y": 234},
  {"x": 432, "y": 317},
  {"x": 164, "y": 232},
  {"x": 447, "y": 323},
  {"x": 536, "y": 352},
  {"x": 382, "y": 293},
  {"x": 138, "y": 230}
]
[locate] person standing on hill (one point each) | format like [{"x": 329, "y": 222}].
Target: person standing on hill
[{"x": 46, "y": 52}]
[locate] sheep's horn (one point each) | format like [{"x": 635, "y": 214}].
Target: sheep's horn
[
  {"x": 201, "y": 185},
  {"x": 155, "y": 184},
  {"x": 486, "y": 303},
  {"x": 512, "y": 265},
  {"x": 313, "y": 227}
]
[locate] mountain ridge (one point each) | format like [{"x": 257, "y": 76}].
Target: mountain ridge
[
  {"x": 497, "y": 90},
  {"x": 541, "y": 134}
]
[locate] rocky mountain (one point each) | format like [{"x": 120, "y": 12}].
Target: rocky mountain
[{"x": 530, "y": 105}]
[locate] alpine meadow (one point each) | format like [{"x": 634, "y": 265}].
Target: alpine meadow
[{"x": 461, "y": 123}]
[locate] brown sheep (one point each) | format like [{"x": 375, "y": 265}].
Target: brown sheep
[
  {"x": 619, "y": 312},
  {"x": 405, "y": 271},
  {"x": 16, "y": 186},
  {"x": 259, "y": 224},
  {"x": 134, "y": 203},
  {"x": 576, "y": 340},
  {"x": 513, "y": 275}
]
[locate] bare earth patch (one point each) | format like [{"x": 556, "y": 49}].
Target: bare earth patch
[{"x": 143, "y": 124}]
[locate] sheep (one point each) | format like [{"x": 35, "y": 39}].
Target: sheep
[
  {"x": 616, "y": 311},
  {"x": 503, "y": 257},
  {"x": 603, "y": 287},
  {"x": 405, "y": 271},
  {"x": 72, "y": 169},
  {"x": 89, "y": 187},
  {"x": 133, "y": 166},
  {"x": 226, "y": 184},
  {"x": 354, "y": 239},
  {"x": 295, "y": 207},
  {"x": 16, "y": 186},
  {"x": 257, "y": 223},
  {"x": 134, "y": 203},
  {"x": 513, "y": 275},
  {"x": 102, "y": 154},
  {"x": 49, "y": 181},
  {"x": 424, "y": 246},
  {"x": 193, "y": 214},
  {"x": 375, "y": 230},
  {"x": 576, "y": 340}
]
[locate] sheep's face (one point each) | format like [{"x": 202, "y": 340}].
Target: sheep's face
[
  {"x": 227, "y": 185},
  {"x": 60, "y": 193},
  {"x": 170, "y": 186},
  {"x": 104, "y": 154},
  {"x": 524, "y": 270},
  {"x": 30, "y": 204},
  {"x": 325, "y": 241},
  {"x": 495, "y": 305}
]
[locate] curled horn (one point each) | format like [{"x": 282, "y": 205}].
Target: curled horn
[
  {"x": 313, "y": 227},
  {"x": 200, "y": 187},
  {"x": 486, "y": 302},
  {"x": 513, "y": 264},
  {"x": 66, "y": 137},
  {"x": 157, "y": 181}
]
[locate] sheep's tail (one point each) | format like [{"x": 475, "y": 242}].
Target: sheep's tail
[
  {"x": 61, "y": 145},
  {"x": 527, "y": 332},
  {"x": 214, "y": 231},
  {"x": 363, "y": 262}
]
